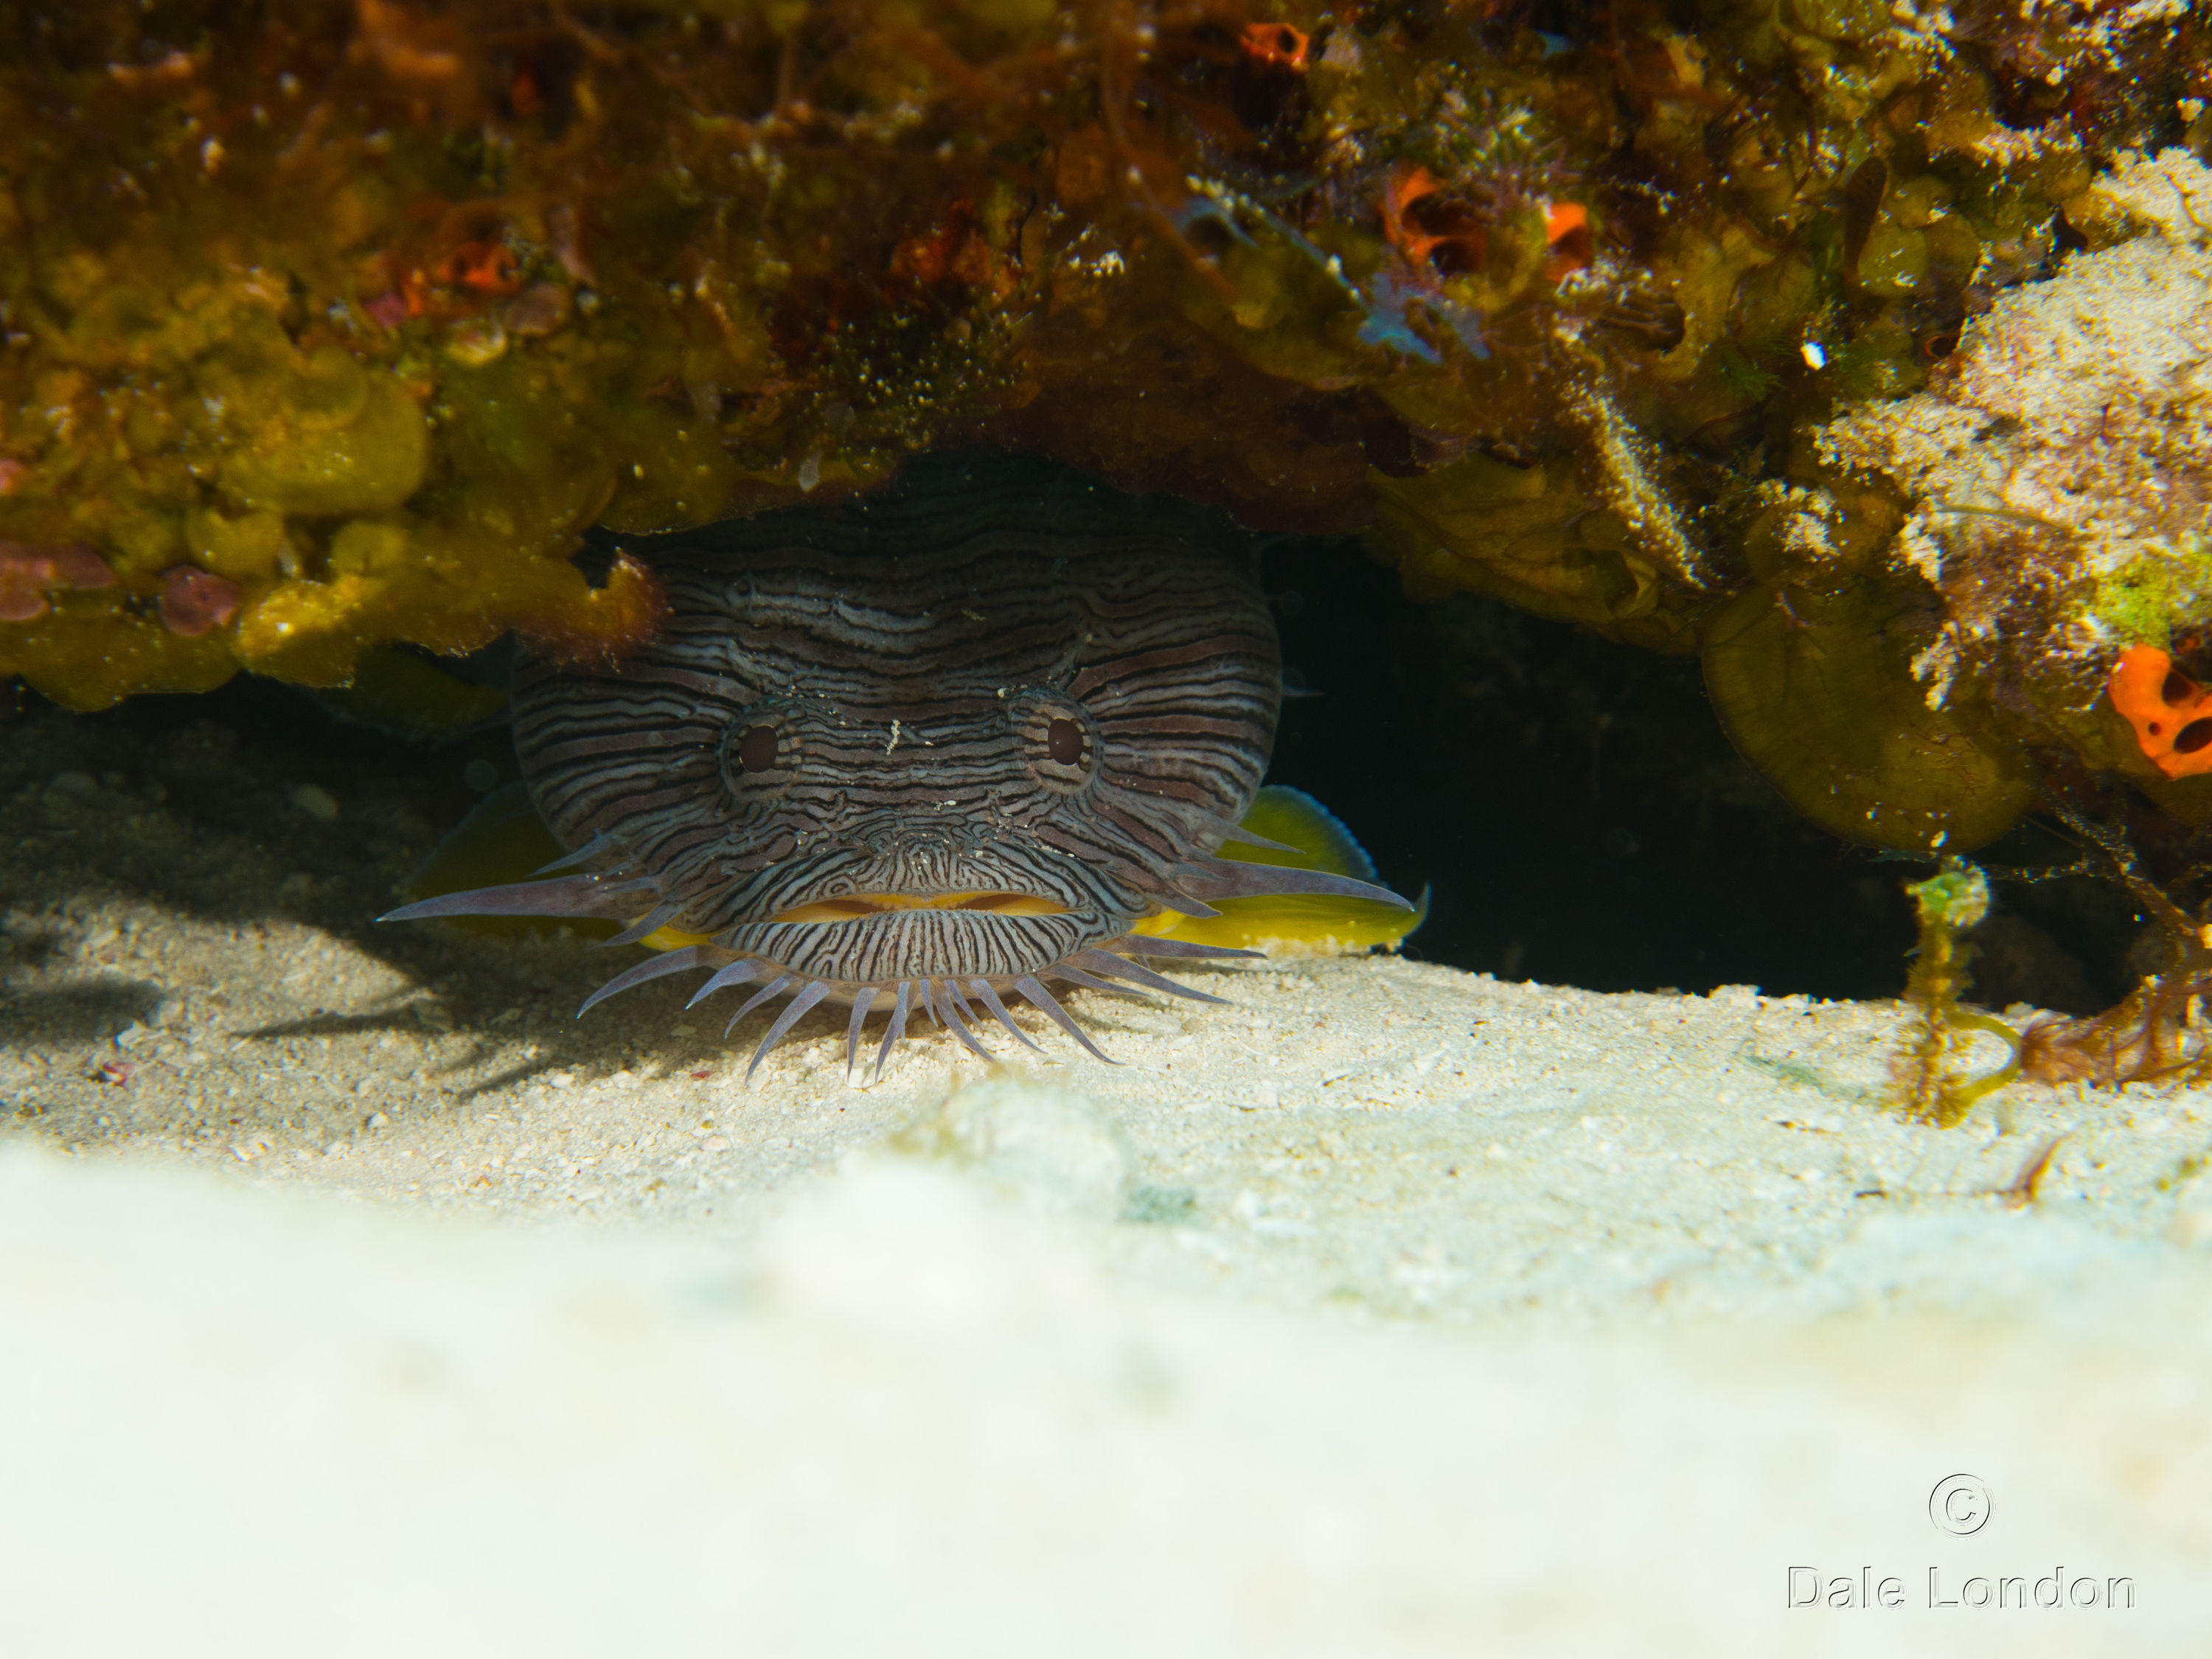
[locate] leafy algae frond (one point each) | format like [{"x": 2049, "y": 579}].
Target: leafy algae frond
[{"x": 1932, "y": 1087}]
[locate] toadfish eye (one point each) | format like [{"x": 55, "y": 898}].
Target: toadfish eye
[
  {"x": 762, "y": 751},
  {"x": 1058, "y": 745},
  {"x": 757, "y": 749}
]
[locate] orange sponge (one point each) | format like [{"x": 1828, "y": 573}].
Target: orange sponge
[
  {"x": 2171, "y": 713},
  {"x": 1277, "y": 45}
]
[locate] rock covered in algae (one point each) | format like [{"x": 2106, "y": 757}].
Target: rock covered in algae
[
  {"x": 335, "y": 322},
  {"x": 2007, "y": 534}
]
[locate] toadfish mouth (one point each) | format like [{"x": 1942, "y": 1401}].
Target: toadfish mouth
[{"x": 855, "y": 906}]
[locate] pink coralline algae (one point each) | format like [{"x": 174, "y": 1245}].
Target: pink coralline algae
[
  {"x": 195, "y": 600},
  {"x": 388, "y": 310},
  {"x": 29, "y": 571}
]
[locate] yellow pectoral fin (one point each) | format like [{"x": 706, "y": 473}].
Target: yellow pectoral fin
[
  {"x": 1318, "y": 837},
  {"x": 1296, "y": 924},
  {"x": 1293, "y": 924}
]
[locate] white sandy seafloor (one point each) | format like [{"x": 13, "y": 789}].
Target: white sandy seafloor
[{"x": 382, "y": 1309}]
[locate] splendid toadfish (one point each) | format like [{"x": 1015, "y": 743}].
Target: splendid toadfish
[{"x": 992, "y": 728}]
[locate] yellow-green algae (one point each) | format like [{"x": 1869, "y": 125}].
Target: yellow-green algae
[
  {"x": 370, "y": 309},
  {"x": 1930, "y": 1087},
  {"x": 2051, "y": 494}
]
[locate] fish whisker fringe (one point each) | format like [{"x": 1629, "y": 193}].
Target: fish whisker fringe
[
  {"x": 946, "y": 1000},
  {"x": 1075, "y": 976},
  {"x": 960, "y": 1000},
  {"x": 739, "y": 972},
  {"x": 646, "y": 926},
  {"x": 792, "y": 1013},
  {"x": 958, "y": 1026},
  {"x": 767, "y": 992},
  {"x": 600, "y": 898},
  {"x": 1044, "y": 1000},
  {"x": 1137, "y": 974},
  {"x": 1146, "y": 945},
  {"x": 894, "y": 1028},
  {"x": 982, "y": 988},
  {"x": 671, "y": 962},
  {"x": 584, "y": 854},
  {"x": 861, "y": 999}
]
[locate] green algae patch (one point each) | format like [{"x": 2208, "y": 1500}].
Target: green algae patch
[
  {"x": 302, "y": 459},
  {"x": 2142, "y": 601},
  {"x": 87, "y": 657},
  {"x": 2136, "y": 603}
]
